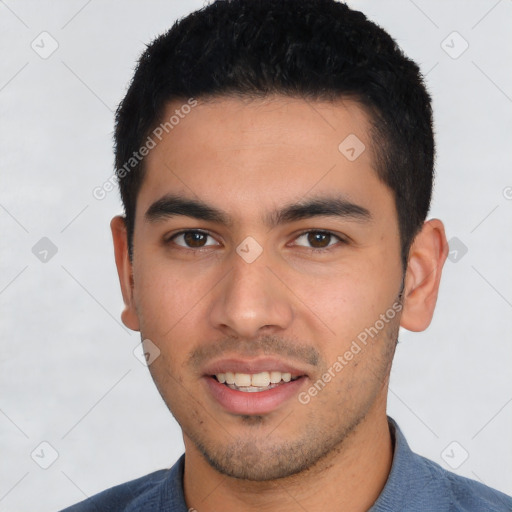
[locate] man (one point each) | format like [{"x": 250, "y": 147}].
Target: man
[{"x": 275, "y": 161}]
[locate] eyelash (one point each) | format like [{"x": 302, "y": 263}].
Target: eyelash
[{"x": 341, "y": 240}]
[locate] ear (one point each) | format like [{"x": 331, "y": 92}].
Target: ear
[
  {"x": 426, "y": 259},
  {"x": 125, "y": 271}
]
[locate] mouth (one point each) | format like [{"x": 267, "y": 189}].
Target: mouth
[
  {"x": 253, "y": 387},
  {"x": 255, "y": 382}
]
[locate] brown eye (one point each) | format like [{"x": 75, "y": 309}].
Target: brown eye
[
  {"x": 193, "y": 239},
  {"x": 317, "y": 239}
]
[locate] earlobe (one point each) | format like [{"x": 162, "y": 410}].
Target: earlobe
[
  {"x": 124, "y": 271},
  {"x": 427, "y": 256}
]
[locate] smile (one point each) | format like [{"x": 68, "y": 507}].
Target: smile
[{"x": 255, "y": 382}]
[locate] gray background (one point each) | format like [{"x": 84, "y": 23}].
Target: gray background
[{"x": 68, "y": 373}]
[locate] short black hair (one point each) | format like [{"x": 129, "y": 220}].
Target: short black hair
[{"x": 310, "y": 49}]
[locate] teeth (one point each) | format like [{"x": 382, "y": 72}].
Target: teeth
[
  {"x": 275, "y": 377},
  {"x": 258, "y": 380},
  {"x": 261, "y": 380},
  {"x": 242, "y": 379}
]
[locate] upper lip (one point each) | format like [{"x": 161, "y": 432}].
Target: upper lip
[{"x": 258, "y": 365}]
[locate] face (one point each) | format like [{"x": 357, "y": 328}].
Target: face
[{"x": 267, "y": 271}]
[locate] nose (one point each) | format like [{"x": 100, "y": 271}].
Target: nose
[{"x": 251, "y": 299}]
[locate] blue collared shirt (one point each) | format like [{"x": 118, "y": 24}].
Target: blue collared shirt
[{"x": 415, "y": 484}]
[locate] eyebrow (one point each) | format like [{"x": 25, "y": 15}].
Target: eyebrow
[{"x": 172, "y": 205}]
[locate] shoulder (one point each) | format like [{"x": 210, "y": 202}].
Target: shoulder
[
  {"x": 145, "y": 493},
  {"x": 417, "y": 484},
  {"x": 465, "y": 494},
  {"x": 124, "y": 495}
]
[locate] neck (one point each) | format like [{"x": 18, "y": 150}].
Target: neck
[{"x": 350, "y": 478}]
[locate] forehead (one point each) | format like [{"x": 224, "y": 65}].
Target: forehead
[{"x": 245, "y": 154}]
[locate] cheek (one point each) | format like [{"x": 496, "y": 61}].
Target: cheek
[
  {"x": 164, "y": 297},
  {"x": 166, "y": 301},
  {"x": 352, "y": 298}
]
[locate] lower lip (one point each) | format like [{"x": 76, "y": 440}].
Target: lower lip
[{"x": 258, "y": 402}]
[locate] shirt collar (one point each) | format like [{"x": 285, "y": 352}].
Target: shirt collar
[{"x": 409, "y": 475}]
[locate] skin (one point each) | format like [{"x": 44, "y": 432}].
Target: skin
[{"x": 196, "y": 304}]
